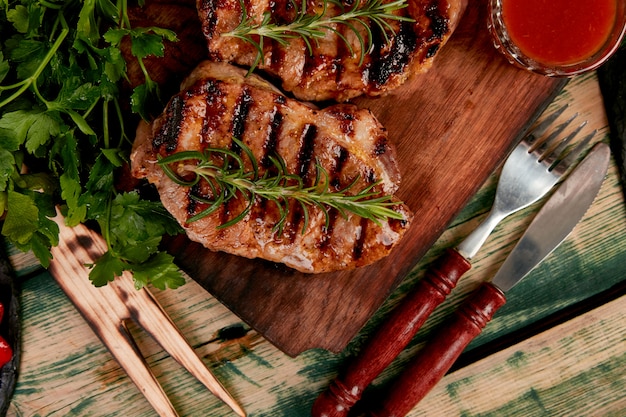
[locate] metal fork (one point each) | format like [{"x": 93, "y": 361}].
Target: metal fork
[{"x": 531, "y": 170}]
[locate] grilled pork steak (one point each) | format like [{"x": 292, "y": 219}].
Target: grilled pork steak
[
  {"x": 218, "y": 102},
  {"x": 332, "y": 70}
]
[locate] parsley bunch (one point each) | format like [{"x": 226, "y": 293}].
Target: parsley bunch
[{"x": 63, "y": 137}]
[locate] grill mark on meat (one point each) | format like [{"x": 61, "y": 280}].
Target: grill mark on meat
[
  {"x": 359, "y": 244},
  {"x": 384, "y": 66},
  {"x": 271, "y": 141},
  {"x": 214, "y": 108},
  {"x": 283, "y": 12},
  {"x": 209, "y": 9},
  {"x": 193, "y": 205},
  {"x": 311, "y": 62},
  {"x": 346, "y": 121},
  {"x": 305, "y": 154},
  {"x": 277, "y": 56},
  {"x": 304, "y": 159},
  {"x": 168, "y": 133},
  {"x": 240, "y": 114},
  {"x": 343, "y": 53},
  {"x": 439, "y": 25},
  {"x": 325, "y": 238},
  {"x": 294, "y": 226},
  {"x": 340, "y": 161}
]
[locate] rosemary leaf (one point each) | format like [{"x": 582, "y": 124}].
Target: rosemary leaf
[
  {"x": 313, "y": 27},
  {"x": 229, "y": 179}
]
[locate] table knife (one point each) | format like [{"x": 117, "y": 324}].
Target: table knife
[{"x": 550, "y": 227}]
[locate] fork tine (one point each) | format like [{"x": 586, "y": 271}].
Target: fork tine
[
  {"x": 550, "y": 156},
  {"x": 546, "y": 144},
  {"x": 567, "y": 160},
  {"x": 538, "y": 131}
]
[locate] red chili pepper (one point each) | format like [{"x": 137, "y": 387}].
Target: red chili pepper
[{"x": 6, "y": 353}]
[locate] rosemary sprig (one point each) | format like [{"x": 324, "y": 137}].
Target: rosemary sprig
[
  {"x": 228, "y": 179},
  {"x": 314, "y": 27}
]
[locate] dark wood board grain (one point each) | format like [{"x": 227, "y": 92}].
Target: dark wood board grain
[{"x": 451, "y": 126}]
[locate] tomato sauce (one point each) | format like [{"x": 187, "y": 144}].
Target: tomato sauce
[{"x": 559, "y": 32}]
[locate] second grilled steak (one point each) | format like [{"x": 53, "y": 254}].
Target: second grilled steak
[
  {"x": 332, "y": 70},
  {"x": 218, "y": 103}
]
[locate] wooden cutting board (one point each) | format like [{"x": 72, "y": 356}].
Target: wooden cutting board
[{"x": 451, "y": 127}]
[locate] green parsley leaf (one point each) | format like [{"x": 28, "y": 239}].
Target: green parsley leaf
[
  {"x": 134, "y": 221},
  {"x": 106, "y": 268},
  {"x": 28, "y": 54},
  {"x": 22, "y": 219},
  {"x": 77, "y": 95},
  {"x": 19, "y": 18},
  {"x": 32, "y": 128},
  {"x": 160, "y": 271},
  {"x": 42, "y": 128}
]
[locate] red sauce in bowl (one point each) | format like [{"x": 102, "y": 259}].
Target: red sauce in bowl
[{"x": 559, "y": 32}]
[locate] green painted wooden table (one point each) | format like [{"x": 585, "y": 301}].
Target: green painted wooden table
[{"x": 557, "y": 348}]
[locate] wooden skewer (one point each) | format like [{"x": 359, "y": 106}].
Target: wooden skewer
[{"x": 107, "y": 308}]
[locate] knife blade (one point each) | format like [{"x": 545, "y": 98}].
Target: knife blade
[{"x": 554, "y": 222}]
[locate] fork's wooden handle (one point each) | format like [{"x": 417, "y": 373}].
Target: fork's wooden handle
[
  {"x": 440, "y": 353},
  {"x": 393, "y": 336}
]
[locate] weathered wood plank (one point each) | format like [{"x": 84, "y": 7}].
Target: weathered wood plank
[{"x": 575, "y": 369}]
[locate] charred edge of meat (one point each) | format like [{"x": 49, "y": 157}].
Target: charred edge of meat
[
  {"x": 432, "y": 51},
  {"x": 384, "y": 66},
  {"x": 168, "y": 134},
  {"x": 397, "y": 224},
  {"x": 438, "y": 23},
  {"x": 381, "y": 146}
]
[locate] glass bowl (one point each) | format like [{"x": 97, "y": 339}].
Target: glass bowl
[{"x": 502, "y": 39}]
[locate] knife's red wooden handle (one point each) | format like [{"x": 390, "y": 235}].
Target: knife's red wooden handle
[
  {"x": 392, "y": 336},
  {"x": 440, "y": 353}
]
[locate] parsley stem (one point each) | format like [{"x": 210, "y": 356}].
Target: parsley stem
[{"x": 105, "y": 124}]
